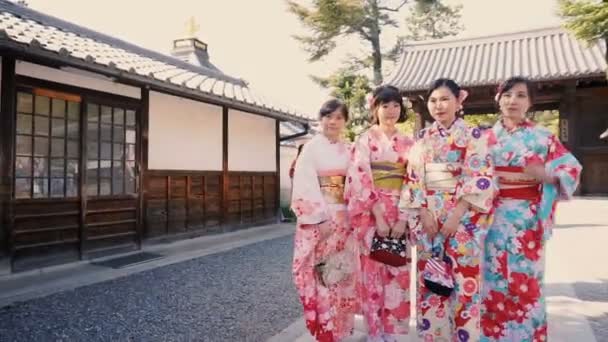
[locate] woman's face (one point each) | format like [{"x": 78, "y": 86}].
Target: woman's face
[
  {"x": 388, "y": 113},
  {"x": 333, "y": 124},
  {"x": 515, "y": 102},
  {"x": 442, "y": 105}
]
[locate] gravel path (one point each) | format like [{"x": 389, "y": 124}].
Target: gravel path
[{"x": 245, "y": 294}]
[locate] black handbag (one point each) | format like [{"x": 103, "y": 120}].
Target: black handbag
[{"x": 390, "y": 251}]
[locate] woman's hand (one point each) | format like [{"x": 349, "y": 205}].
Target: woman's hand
[
  {"x": 537, "y": 171},
  {"x": 398, "y": 230},
  {"x": 451, "y": 224},
  {"x": 382, "y": 228},
  {"x": 429, "y": 224}
]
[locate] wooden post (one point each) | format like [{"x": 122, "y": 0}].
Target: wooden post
[
  {"x": 277, "y": 179},
  {"x": 225, "y": 183},
  {"x": 7, "y": 160},
  {"x": 142, "y": 163},
  {"x": 82, "y": 181}
]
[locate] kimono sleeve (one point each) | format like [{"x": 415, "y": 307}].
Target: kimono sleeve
[
  {"x": 413, "y": 191},
  {"x": 476, "y": 184},
  {"x": 359, "y": 189},
  {"x": 566, "y": 170},
  {"x": 307, "y": 202}
]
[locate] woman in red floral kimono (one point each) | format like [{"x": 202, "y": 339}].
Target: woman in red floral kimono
[
  {"x": 447, "y": 197},
  {"x": 324, "y": 262},
  {"x": 373, "y": 186}
]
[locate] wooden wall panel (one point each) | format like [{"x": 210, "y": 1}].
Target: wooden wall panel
[
  {"x": 179, "y": 202},
  {"x": 110, "y": 223}
]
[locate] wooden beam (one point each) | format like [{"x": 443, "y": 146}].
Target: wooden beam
[
  {"x": 7, "y": 154},
  {"x": 141, "y": 167},
  {"x": 82, "y": 181},
  {"x": 225, "y": 179},
  {"x": 277, "y": 181}
]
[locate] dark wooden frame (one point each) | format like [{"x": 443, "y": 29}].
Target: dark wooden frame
[
  {"x": 7, "y": 154},
  {"x": 225, "y": 179},
  {"x": 86, "y": 208},
  {"x": 33, "y": 135}
]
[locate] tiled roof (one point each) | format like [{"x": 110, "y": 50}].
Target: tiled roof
[
  {"x": 541, "y": 55},
  {"x": 32, "y": 32}
]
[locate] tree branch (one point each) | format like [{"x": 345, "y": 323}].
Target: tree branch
[{"x": 396, "y": 9}]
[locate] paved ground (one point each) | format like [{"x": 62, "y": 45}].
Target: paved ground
[
  {"x": 238, "y": 288},
  {"x": 576, "y": 281},
  {"x": 245, "y": 294},
  {"x": 577, "y": 258}
]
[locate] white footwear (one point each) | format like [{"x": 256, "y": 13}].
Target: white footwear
[
  {"x": 374, "y": 339},
  {"x": 390, "y": 337}
]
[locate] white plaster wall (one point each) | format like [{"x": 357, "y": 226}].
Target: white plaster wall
[
  {"x": 288, "y": 154},
  {"x": 251, "y": 142},
  {"x": 184, "y": 134},
  {"x": 76, "y": 77}
]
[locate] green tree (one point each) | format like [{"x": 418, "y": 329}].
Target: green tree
[
  {"x": 429, "y": 20},
  {"x": 588, "y": 20},
  {"x": 330, "y": 20}
]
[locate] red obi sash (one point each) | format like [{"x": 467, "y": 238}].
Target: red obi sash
[{"x": 514, "y": 183}]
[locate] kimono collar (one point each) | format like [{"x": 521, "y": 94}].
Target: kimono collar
[
  {"x": 378, "y": 133},
  {"x": 456, "y": 125},
  {"x": 499, "y": 126},
  {"x": 329, "y": 141}
]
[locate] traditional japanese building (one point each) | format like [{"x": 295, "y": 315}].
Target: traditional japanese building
[
  {"x": 105, "y": 145},
  {"x": 569, "y": 75}
]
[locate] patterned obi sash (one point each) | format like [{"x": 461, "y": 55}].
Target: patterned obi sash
[
  {"x": 332, "y": 188},
  {"x": 388, "y": 175},
  {"x": 442, "y": 176},
  {"x": 514, "y": 183}
]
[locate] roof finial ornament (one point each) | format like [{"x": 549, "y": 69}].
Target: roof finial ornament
[{"x": 192, "y": 27}]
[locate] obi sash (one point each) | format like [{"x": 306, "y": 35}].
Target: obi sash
[
  {"x": 388, "y": 175},
  {"x": 441, "y": 176},
  {"x": 514, "y": 183},
  {"x": 332, "y": 188}
]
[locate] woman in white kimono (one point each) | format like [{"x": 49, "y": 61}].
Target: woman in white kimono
[{"x": 324, "y": 251}]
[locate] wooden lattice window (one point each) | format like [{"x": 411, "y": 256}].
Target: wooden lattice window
[
  {"x": 111, "y": 146},
  {"x": 47, "y": 146}
]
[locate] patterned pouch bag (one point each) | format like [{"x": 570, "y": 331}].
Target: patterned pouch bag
[
  {"x": 390, "y": 251},
  {"x": 437, "y": 274}
]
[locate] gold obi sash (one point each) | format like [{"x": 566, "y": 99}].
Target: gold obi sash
[
  {"x": 332, "y": 188},
  {"x": 387, "y": 175},
  {"x": 441, "y": 176}
]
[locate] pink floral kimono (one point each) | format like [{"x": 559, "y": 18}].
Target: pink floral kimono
[
  {"x": 448, "y": 165},
  {"x": 328, "y": 296},
  {"x": 384, "y": 289}
]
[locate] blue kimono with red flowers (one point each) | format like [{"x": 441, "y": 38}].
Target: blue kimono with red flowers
[{"x": 513, "y": 308}]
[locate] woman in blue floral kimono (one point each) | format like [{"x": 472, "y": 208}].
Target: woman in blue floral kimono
[{"x": 534, "y": 171}]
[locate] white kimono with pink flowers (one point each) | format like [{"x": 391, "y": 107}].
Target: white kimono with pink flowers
[
  {"x": 384, "y": 289},
  {"x": 328, "y": 308}
]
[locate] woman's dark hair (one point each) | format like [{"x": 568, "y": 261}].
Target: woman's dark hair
[
  {"x": 444, "y": 82},
  {"x": 331, "y": 106},
  {"x": 451, "y": 85},
  {"x": 511, "y": 82},
  {"x": 386, "y": 94}
]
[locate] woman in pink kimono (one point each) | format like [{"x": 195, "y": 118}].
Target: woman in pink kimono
[
  {"x": 373, "y": 185},
  {"x": 447, "y": 197},
  {"x": 534, "y": 171},
  {"x": 324, "y": 259}
]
